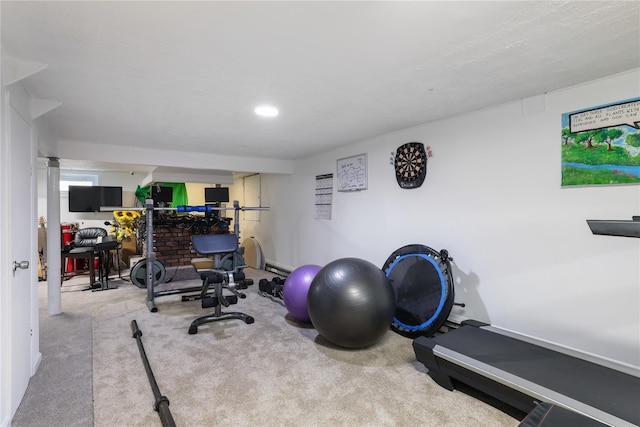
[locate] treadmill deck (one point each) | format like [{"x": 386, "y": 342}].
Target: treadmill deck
[{"x": 545, "y": 374}]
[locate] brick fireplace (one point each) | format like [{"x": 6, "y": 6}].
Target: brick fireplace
[
  {"x": 173, "y": 246},
  {"x": 172, "y": 239}
]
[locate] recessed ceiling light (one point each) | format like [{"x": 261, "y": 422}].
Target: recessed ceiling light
[{"x": 266, "y": 111}]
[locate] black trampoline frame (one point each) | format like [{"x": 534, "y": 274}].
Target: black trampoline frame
[{"x": 441, "y": 263}]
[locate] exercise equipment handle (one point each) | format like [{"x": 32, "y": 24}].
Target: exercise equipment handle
[
  {"x": 182, "y": 209},
  {"x": 162, "y": 402}
]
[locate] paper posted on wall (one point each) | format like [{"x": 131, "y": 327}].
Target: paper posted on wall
[{"x": 324, "y": 196}]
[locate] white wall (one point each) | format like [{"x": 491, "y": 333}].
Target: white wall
[{"x": 524, "y": 257}]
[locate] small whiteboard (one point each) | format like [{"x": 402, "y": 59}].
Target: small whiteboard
[{"x": 352, "y": 173}]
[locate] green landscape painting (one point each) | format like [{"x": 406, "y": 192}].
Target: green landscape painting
[{"x": 601, "y": 145}]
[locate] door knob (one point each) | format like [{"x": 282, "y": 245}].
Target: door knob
[{"x": 23, "y": 265}]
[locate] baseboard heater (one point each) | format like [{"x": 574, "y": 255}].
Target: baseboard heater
[{"x": 276, "y": 269}]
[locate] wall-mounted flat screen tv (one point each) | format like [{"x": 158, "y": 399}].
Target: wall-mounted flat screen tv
[
  {"x": 216, "y": 195},
  {"x": 91, "y": 198}
]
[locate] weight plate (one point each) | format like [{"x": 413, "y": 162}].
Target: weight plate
[{"x": 139, "y": 273}]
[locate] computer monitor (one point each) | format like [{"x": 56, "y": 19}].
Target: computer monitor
[
  {"x": 92, "y": 198},
  {"x": 216, "y": 195},
  {"x": 161, "y": 194}
]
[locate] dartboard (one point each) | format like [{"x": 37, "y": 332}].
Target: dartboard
[{"x": 411, "y": 165}]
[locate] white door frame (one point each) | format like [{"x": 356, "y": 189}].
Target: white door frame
[{"x": 16, "y": 98}]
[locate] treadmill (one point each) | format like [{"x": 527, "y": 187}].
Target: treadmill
[
  {"x": 531, "y": 375},
  {"x": 523, "y": 374}
]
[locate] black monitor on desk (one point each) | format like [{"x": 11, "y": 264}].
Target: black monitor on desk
[
  {"x": 216, "y": 195},
  {"x": 161, "y": 196}
]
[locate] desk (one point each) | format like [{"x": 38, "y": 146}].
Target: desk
[{"x": 89, "y": 253}]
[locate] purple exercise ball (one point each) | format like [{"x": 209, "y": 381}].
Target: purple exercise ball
[{"x": 295, "y": 290}]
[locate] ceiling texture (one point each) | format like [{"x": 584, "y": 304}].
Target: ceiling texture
[{"x": 187, "y": 75}]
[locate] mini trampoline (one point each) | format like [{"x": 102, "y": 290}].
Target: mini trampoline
[{"x": 423, "y": 283}]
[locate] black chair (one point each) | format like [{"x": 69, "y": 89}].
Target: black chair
[
  {"x": 89, "y": 237},
  {"x": 221, "y": 276},
  {"x": 83, "y": 247}
]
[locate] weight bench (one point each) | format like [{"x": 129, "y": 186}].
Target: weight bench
[{"x": 231, "y": 279}]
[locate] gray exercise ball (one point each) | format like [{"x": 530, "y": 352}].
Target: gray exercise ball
[{"x": 351, "y": 302}]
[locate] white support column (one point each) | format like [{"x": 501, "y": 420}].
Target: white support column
[{"x": 54, "y": 262}]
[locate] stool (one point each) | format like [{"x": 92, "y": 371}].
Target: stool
[{"x": 87, "y": 254}]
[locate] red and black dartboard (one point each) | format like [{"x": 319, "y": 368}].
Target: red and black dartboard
[{"x": 411, "y": 165}]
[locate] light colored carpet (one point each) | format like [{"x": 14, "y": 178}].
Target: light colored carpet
[
  {"x": 275, "y": 372},
  {"x": 60, "y": 393}
]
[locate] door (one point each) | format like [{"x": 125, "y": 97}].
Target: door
[{"x": 23, "y": 279}]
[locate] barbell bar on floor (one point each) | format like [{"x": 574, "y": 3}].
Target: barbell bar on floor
[{"x": 161, "y": 404}]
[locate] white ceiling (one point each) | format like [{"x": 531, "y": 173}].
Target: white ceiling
[{"x": 187, "y": 75}]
